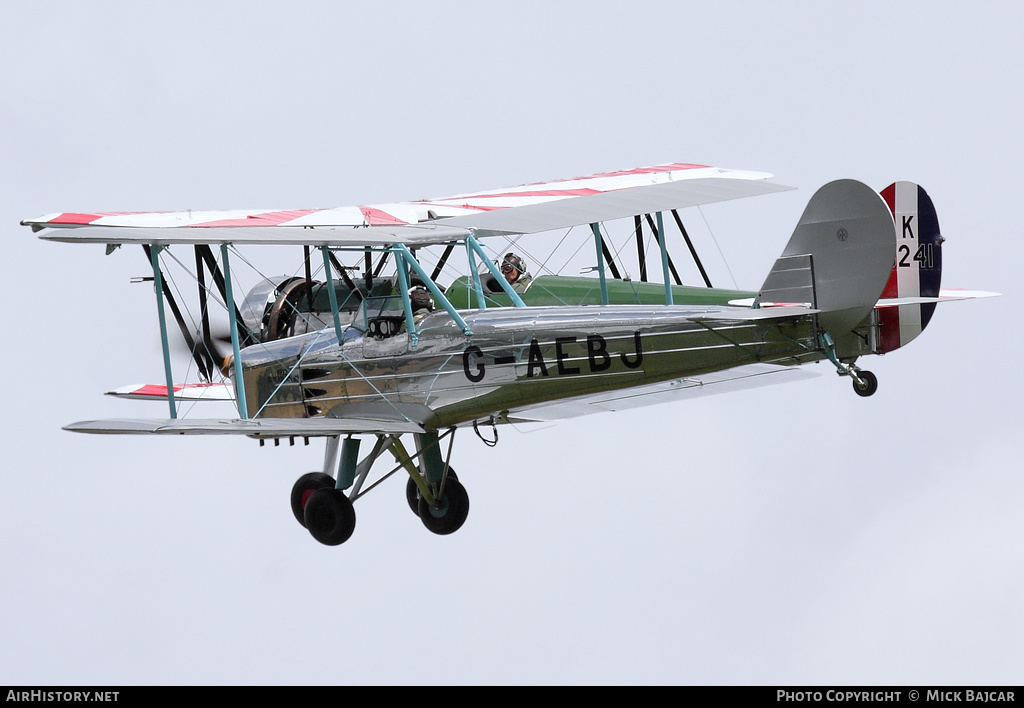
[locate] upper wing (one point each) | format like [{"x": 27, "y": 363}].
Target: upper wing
[{"x": 524, "y": 209}]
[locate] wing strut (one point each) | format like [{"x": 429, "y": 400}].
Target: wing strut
[
  {"x": 406, "y": 259},
  {"x": 611, "y": 261},
  {"x": 601, "y": 248},
  {"x": 204, "y": 314},
  {"x": 368, "y": 268},
  {"x": 658, "y": 229},
  {"x": 158, "y": 282},
  {"x": 197, "y": 355},
  {"x": 380, "y": 264},
  {"x": 243, "y": 411},
  {"x": 343, "y": 272},
  {"x": 693, "y": 251},
  {"x": 328, "y": 257},
  {"x": 665, "y": 262},
  {"x": 307, "y": 266},
  {"x": 638, "y": 229},
  {"x": 444, "y": 260},
  {"x": 478, "y": 290},
  {"x": 513, "y": 295},
  {"x": 403, "y": 285},
  {"x": 218, "y": 278}
]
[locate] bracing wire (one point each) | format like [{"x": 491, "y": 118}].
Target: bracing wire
[{"x": 731, "y": 276}]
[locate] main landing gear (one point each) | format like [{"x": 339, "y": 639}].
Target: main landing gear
[
  {"x": 433, "y": 490},
  {"x": 329, "y": 516},
  {"x": 449, "y": 509},
  {"x": 324, "y": 510}
]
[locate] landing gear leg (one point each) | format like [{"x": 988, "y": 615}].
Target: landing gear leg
[
  {"x": 433, "y": 491},
  {"x": 864, "y": 382}
]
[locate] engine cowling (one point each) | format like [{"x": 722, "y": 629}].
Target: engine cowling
[{"x": 286, "y": 306}]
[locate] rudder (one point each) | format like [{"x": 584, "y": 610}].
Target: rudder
[{"x": 917, "y": 271}]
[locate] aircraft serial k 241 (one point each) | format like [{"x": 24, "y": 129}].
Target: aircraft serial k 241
[{"x": 377, "y": 355}]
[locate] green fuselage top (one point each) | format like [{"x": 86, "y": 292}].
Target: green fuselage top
[{"x": 553, "y": 290}]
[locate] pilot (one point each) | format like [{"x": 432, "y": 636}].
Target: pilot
[
  {"x": 422, "y": 305},
  {"x": 514, "y": 269}
]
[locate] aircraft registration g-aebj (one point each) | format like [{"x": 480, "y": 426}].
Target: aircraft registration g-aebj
[{"x": 391, "y": 351}]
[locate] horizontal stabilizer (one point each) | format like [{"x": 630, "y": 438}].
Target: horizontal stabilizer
[
  {"x": 260, "y": 428},
  {"x": 945, "y": 295},
  {"x": 182, "y": 392},
  {"x": 753, "y": 314}
]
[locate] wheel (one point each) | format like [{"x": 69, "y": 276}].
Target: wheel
[
  {"x": 870, "y": 383},
  {"x": 329, "y": 516},
  {"x": 412, "y": 492},
  {"x": 450, "y": 513},
  {"x": 304, "y": 487}
]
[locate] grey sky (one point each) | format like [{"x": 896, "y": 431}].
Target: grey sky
[{"x": 792, "y": 534}]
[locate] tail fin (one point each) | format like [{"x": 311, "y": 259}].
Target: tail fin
[
  {"x": 838, "y": 260},
  {"x": 918, "y": 268}
]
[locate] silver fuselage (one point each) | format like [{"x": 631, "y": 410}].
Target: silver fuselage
[{"x": 515, "y": 359}]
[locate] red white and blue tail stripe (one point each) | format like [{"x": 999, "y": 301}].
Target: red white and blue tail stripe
[{"x": 917, "y": 271}]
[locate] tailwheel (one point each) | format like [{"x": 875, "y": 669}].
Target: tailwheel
[
  {"x": 412, "y": 492},
  {"x": 450, "y": 512},
  {"x": 303, "y": 490},
  {"x": 865, "y": 383},
  {"x": 329, "y": 516}
]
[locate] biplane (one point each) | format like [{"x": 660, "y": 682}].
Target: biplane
[{"x": 371, "y": 336}]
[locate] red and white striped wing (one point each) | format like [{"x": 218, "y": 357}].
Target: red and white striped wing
[
  {"x": 523, "y": 209},
  {"x": 182, "y": 392}
]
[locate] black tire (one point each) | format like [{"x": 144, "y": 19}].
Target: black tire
[
  {"x": 412, "y": 492},
  {"x": 870, "y": 384},
  {"x": 450, "y": 514},
  {"x": 304, "y": 488},
  {"x": 330, "y": 517}
]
